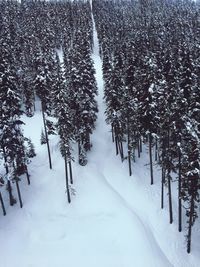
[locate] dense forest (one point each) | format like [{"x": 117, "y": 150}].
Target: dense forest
[
  {"x": 151, "y": 67},
  {"x": 31, "y": 34},
  {"x": 150, "y": 51}
]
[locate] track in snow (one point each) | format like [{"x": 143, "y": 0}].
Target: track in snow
[{"x": 100, "y": 158}]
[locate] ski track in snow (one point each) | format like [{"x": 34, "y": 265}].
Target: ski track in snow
[
  {"x": 108, "y": 223},
  {"x": 102, "y": 150}
]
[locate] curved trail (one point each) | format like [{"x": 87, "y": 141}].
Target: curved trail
[{"x": 101, "y": 161}]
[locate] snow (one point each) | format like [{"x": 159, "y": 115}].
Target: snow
[
  {"x": 60, "y": 55},
  {"x": 151, "y": 88},
  {"x": 113, "y": 221}
]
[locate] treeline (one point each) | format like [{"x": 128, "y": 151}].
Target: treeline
[
  {"x": 32, "y": 36},
  {"x": 151, "y": 66}
]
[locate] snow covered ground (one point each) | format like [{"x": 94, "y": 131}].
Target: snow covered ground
[{"x": 113, "y": 221}]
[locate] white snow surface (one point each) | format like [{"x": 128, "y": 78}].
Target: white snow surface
[{"x": 113, "y": 221}]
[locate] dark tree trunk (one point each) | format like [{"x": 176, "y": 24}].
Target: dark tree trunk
[
  {"x": 19, "y": 193},
  {"x": 138, "y": 148},
  {"x": 116, "y": 145},
  {"x": 134, "y": 155},
  {"x": 89, "y": 143},
  {"x": 189, "y": 236},
  {"x": 34, "y": 106},
  {"x": 70, "y": 172},
  {"x": 113, "y": 133},
  {"x": 67, "y": 180},
  {"x": 129, "y": 148},
  {"x": 86, "y": 142},
  {"x": 2, "y": 205},
  {"x": 150, "y": 157},
  {"x": 27, "y": 175},
  {"x": 159, "y": 159},
  {"x": 5, "y": 159},
  {"x": 179, "y": 194},
  {"x": 79, "y": 149},
  {"x": 156, "y": 150},
  {"x": 134, "y": 147},
  {"x": 11, "y": 198},
  {"x": 169, "y": 178},
  {"x": 9, "y": 187},
  {"x": 170, "y": 198},
  {"x": 140, "y": 140},
  {"x": 129, "y": 162},
  {"x": 47, "y": 139},
  {"x": 121, "y": 150},
  {"x": 162, "y": 187}
]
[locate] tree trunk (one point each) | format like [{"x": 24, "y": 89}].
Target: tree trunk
[
  {"x": 150, "y": 157},
  {"x": 19, "y": 193},
  {"x": 9, "y": 187},
  {"x": 129, "y": 162},
  {"x": 129, "y": 148},
  {"x": 169, "y": 179},
  {"x": 89, "y": 143},
  {"x": 34, "y": 106},
  {"x": 162, "y": 187},
  {"x": 67, "y": 180},
  {"x": 189, "y": 236},
  {"x": 86, "y": 142},
  {"x": 134, "y": 155},
  {"x": 79, "y": 149},
  {"x": 27, "y": 175},
  {"x": 138, "y": 148},
  {"x": 140, "y": 140},
  {"x": 121, "y": 150},
  {"x": 2, "y": 205},
  {"x": 47, "y": 139},
  {"x": 179, "y": 194},
  {"x": 156, "y": 150},
  {"x": 170, "y": 198},
  {"x": 11, "y": 198},
  {"x": 116, "y": 145},
  {"x": 134, "y": 147},
  {"x": 70, "y": 172},
  {"x": 113, "y": 133},
  {"x": 5, "y": 159}
]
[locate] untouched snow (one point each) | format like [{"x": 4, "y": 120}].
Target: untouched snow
[{"x": 113, "y": 221}]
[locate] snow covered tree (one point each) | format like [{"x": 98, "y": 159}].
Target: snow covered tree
[
  {"x": 30, "y": 149},
  {"x": 42, "y": 85},
  {"x": 82, "y": 91},
  {"x": 65, "y": 126},
  {"x": 11, "y": 138},
  {"x": 190, "y": 180}
]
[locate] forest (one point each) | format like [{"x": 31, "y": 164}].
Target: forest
[{"x": 150, "y": 52}]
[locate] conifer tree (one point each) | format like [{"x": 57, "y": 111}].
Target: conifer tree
[{"x": 65, "y": 127}]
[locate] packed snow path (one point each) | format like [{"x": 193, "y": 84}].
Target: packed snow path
[{"x": 113, "y": 221}]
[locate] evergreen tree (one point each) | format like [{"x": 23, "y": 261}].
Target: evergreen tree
[
  {"x": 30, "y": 149},
  {"x": 65, "y": 126}
]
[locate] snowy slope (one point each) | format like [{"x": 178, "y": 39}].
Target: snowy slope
[{"x": 113, "y": 221}]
